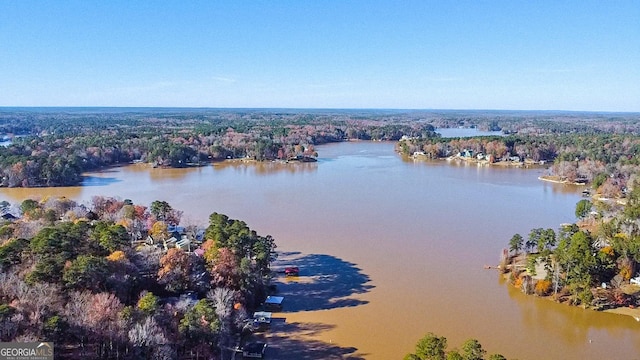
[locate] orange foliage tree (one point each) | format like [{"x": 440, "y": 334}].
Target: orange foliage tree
[{"x": 175, "y": 267}]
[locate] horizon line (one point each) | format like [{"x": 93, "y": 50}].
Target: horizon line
[{"x": 317, "y": 108}]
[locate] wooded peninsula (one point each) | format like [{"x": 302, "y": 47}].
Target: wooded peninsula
[{"x": 118, "y": 280}]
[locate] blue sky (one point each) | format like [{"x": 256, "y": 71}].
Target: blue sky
[{"x": 522, "y": 55}]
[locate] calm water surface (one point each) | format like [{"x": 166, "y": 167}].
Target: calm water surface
[{"x": 389, "y": 250}]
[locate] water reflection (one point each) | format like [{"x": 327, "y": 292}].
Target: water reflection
[
  {"x": 98, "y": 181},
  {"x": 169, "y": 174},
  {"x": 267, "y": 168},
  {"x": 17, "y": 195}
]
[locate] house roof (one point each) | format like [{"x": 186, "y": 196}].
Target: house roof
[
  {"x": 274, "y": 300},
  {"x": 263, "y": 316}
]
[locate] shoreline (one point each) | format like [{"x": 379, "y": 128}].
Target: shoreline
[
  {"x": 556, "y": 180},
  {"x": 527, "y": 163},
  {"x": 625, "y": 310},
  {"x": 633, "y": 312}
]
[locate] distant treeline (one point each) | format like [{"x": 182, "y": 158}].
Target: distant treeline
[{"x": 53, "y": 147}]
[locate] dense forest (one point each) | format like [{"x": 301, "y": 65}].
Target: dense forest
[{"x": 109, "y": 280}]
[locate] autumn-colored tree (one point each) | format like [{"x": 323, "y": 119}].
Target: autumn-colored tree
[
  {"x": 543, "y": 287},
  {"x": 159, "y": 230},
  {"x": 175, "y": 269},
  {"x": 106, "y": 207},
  {"x": 117, "y": 255},
  {"x": 225, "y": 271},
  {"x": 244, "y": 242},
  {"x": 210, "y": 251}
]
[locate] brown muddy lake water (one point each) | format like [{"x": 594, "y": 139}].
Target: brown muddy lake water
[{"x": 389, "y": 249}]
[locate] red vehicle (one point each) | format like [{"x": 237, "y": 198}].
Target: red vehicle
[{"x": 291, "y": 271}]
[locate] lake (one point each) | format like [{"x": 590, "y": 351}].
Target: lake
[{"x": 388, "y": 248}]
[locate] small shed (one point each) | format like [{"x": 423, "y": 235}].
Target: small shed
[{"x": 273, "y": 303}]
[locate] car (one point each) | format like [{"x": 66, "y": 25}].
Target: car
[
  {"x": 291, "y": 271},
  {"x": 254, "y": 350}
]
